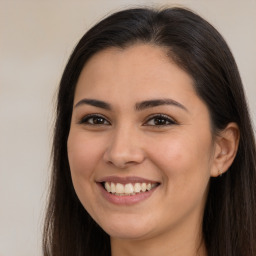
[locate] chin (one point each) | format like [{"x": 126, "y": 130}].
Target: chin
[
  {"x": 128, "y": 234},
  {"x": 127, "y": 230}
]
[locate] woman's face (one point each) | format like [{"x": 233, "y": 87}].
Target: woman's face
[{"x": 139, "y": 129}]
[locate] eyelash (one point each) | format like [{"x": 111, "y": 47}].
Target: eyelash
[
  {"x": 167, "y": 120},
  {"x": 85, "y": 120}
]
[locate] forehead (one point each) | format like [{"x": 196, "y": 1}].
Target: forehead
[{"x": 138, "y": 68}]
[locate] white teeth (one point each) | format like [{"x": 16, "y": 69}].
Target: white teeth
[
  {"x": 128, "y": 189},
  {"x": 143, "y": 187},
  {"x": 113, "y": 188},
  {"x": 107, "y": 187},
  {"x": 119, "y": 188},
  {"x": 137, "y": 187}
]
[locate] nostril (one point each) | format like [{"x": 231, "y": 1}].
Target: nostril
[{"x": 121, "y": 164}]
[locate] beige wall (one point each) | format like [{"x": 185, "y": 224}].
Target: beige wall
[{"x": 36, "y": 38}]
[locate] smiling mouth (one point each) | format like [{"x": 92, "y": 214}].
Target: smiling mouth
[{"x": 128, "y": 189}]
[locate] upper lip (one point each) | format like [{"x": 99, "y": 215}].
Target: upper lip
[{"x": 125, "y": 180}]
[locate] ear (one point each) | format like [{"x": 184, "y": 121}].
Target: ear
[{"x": 226, "y": 145}]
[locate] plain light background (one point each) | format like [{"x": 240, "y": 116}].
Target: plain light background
[{"x": 36, "y": 39}]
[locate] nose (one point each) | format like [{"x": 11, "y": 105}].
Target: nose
[{"x": 124, "y": 148}]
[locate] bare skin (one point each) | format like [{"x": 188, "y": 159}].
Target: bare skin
[{"x": 136, "y": 114}]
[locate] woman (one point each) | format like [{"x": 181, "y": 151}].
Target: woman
[{"x": 154, "y": 152}]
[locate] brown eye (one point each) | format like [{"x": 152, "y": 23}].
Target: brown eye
[
  {"x": 95, "y": 120},
  {"x": 160, "y": 120}
]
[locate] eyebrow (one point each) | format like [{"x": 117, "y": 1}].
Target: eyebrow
[
  {"x": 158, "y": 102},
  {"x": 138, "y": 106},
  {"x": 95, "y": 103}
]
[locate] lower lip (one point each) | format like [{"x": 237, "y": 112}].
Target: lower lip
[{"x": 126, "y": 200}]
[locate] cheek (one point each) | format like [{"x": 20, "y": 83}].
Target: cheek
[
  {"x": 83, "y": 154},
  {"x": 185, "y": 167},
  {"x": 183, "y": 159}
]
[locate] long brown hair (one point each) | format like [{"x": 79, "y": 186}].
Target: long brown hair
[{"x": 229, "y": 224}]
